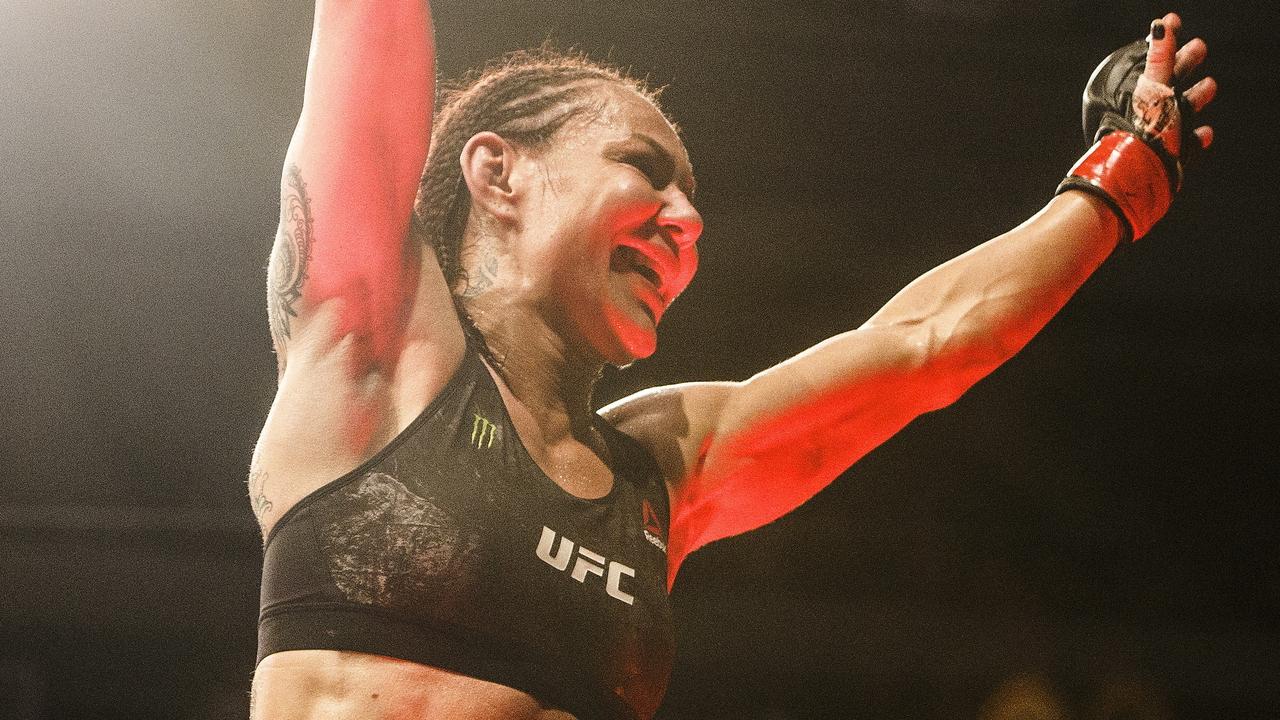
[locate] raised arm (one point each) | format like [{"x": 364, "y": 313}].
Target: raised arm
[
  {"x": 753, "y": 451},
  {"x": 739, "y": 455},
  {"x": 344, "y": 267}
]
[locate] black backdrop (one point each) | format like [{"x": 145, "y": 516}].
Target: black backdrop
[{"x": 1089, "y": 533}]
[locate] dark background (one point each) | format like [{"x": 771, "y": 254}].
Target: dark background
[{"x": 1088, "y": 534}]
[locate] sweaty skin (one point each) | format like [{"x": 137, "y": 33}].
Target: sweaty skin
[
  {"x": 366, "y": 333},
  {"x": 338, "y": 685}
]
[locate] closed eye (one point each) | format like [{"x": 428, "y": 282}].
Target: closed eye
[
  {"x": 655, "y": 169},
  {"x": 654, "y": 161}
]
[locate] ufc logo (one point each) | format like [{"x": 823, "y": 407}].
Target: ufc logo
[{"x": 588, "y": 563}]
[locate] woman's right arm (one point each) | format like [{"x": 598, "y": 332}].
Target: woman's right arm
[{"x": 344, "y": 270}]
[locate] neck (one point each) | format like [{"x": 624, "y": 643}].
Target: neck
[{"x": 552, "y": 379}]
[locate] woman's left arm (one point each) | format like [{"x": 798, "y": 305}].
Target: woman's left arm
[{"x": 739, "y": 455}]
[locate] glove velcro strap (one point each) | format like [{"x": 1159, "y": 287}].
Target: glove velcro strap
[{"x": 1126, "y": 173}]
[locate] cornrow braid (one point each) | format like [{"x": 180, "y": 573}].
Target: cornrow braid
[{"x": 525, "y": 97}]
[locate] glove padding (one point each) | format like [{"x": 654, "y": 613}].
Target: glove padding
[{"x": 1120, "y": 99}]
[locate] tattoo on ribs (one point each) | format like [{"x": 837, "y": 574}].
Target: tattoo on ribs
[
  {"x": 258, "y": 492},
  {"x": 288, "y": 267}
]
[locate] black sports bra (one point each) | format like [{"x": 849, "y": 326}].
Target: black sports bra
[{"x": 451, "y": 548}]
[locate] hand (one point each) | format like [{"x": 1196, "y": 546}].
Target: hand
[
  {"x": 1135, "y": 90},
  {"x": 1143, "y": 126},
  {"x": 1155, "y": 110}
]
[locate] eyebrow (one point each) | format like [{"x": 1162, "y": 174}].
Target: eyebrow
[{"x": 687, "y": 182}]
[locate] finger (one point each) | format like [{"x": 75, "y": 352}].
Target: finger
[
  {"x": 1161, "y": 48},
  {"x": 1205, "y": 135},
  {"x": 1201, "y": 93},
  {"x": 1189, "y": 57}
]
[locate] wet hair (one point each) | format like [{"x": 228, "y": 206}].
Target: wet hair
[{"x": 525, "y": 97}]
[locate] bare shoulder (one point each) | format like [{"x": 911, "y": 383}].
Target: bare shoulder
[{"x": 673, "y": 422}]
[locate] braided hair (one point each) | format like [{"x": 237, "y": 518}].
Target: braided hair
[{"x": 525, "y": 97}]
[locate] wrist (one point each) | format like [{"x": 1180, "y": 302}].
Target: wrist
[
  {"x": 1129, "y": 177},
  {"x": 1103, "y": 225}
]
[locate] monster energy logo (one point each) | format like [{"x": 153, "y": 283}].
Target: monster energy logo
[{"x": 482, "y": 432}]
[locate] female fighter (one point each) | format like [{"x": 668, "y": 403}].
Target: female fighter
[{"x": 451, "y": 530}]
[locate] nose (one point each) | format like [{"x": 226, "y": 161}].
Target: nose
[{"x": 679, "y": 217}]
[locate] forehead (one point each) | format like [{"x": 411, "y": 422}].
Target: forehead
[
  {"x": 627, "y": 108},
  {"x": 624, "y": 114}
]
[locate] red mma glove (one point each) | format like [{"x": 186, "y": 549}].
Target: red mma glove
[{"x": 1142, "y": 126}]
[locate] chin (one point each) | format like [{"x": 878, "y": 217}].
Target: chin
[
  {"x": 630, "y": 341},
  {"x": 630, "y": 349}
]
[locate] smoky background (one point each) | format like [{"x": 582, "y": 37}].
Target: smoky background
[{"x": 1089, "y": 533}]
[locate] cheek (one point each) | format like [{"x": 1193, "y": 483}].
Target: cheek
[{"x": 627, "y": 202}]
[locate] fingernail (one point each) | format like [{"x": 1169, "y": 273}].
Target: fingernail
[{"x": 1157, "y": 30}]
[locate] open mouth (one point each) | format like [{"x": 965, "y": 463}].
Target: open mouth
[{"x": 628, "y": 259}]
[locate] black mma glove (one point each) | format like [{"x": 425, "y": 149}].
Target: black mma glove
[{"x": 1141, "y": 127}]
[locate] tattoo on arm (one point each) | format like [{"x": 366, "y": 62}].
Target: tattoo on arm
[
  {"x": 287, "y": 269},
  {"x": 258, "y": 492}
]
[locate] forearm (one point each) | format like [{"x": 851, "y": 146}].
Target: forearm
[
  {"x": 976, "y": 311},
  {"x": 370, "y": 81},
  {"x": 969, "y": 315}
]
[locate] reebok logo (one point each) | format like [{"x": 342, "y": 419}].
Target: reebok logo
[
  {"x": 652, "y": 527},
  {"x": 588, "y": 563}
]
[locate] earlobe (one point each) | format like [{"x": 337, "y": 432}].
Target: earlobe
[{"x": 487, "y": 162}]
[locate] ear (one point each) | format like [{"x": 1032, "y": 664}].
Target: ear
[{"x": 487, "y": 164}]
